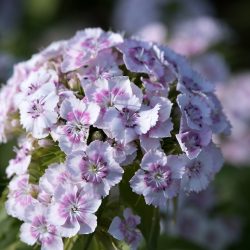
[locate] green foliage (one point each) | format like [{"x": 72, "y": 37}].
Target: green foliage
[{"x": 41, "y": 159}]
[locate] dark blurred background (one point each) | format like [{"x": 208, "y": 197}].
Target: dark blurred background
[{"x": 28, "y": 26}]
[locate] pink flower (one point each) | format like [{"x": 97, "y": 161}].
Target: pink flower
[
  {"x": 140, "y": 57},
  {"x": 123, "y": 153},
  {"x": 126, "y": 229},
  {"x": 79, "y": 116},
  {"x": 163, "y": 127},
  {"x": 55, "y": 175},
  {"x": 37, "y": 229},
  {"x": 38, "y": 111},
  {"x": 130, "y": 119},
  {"x": 73, "y": 209},
  {"x": 20, "y": 163},
  {"x": 104, "y": 66},
  {"x": 201, "y": 170},
  {"x": 159, "y": 177},
  {"x": 85, "y": 46},
  {"x": 196, "y": 110},
  {"x": 193, "y": 141},
  {"x": 95, "y": 169},
  {"x": 20, "y": 196}
]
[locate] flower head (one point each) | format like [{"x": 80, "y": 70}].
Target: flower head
[
  {"x": 37, "y": 229},
  {"x": 79, "y": 116},
  {"x": 95, "y": 169},
  {"x": 126, "y": 229},
  {"x": 73, "y": 209},
  {"x": 38, "y": 111},
  {"x": 158, "y": 179}
]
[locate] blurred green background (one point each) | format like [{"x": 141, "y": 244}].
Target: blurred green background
[{"x": 30, "y": 25}]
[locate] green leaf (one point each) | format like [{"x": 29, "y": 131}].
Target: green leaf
[{"x": 41, "y": 159}]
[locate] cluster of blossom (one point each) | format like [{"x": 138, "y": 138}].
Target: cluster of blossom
[
  {"x": 197, "y": 222},
  {"x": 105, "y": 103}
]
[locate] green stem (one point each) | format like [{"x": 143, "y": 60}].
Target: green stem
[
  {"x": 152, "y": 241},
  {"x": 69, "y": 243},
  {"x": 88, "y": 241}
]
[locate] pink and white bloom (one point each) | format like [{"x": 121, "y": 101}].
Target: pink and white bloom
[
  {"x": 159, "y": 177},
  {"x": 85, "y": 46},
  {"x": 126, "y": 229},
  {"x": 38, "y": 111},
  {"x": 21, "y": 195},
  {"x": 79, "y": 115},
  {"x": 20, "y": 163},
  {"x": 37, "y": 229},
  {"x": 201, "y": 170},
  {"x": 73, "y": 209},
  {"x": 163, "y": 127},
  {"x": 56, "y": 174},
  {"x": 95, "y": 168},
  {"x": 104, "y": 66},
  {"x": 112, "y": 93},
  {"x": 129, "y": 118},
  {"x": 191, "y": 81},
  {"x": 123, "y": 153},
  {"x": 36, "y": 79},
  {"x": 140, "y": 57},
  {"x": 193, "y": 141},
  {"x": 196, "y": 110}
]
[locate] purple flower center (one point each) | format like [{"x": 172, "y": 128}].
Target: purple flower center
[
  {"x": 191, "y": 141},
  {"x": 37, "y": 108},
  {"x": 129, "y": 118},
  {"x": 142, "y": 56},
  {"x": 43, "y": 231},
  {"x": 70, "y": 206},
  {"x": 94, "y": 170},
  {"x": 159, "y": 178},
  {"x": 76, "y": 132}
]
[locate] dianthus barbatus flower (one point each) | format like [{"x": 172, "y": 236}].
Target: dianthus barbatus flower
[
  {"x": 159, "y": 177},
  {"x": 79, "y": 116},
  {"x": 21, "y": 195},
  {"x": 73, "y": 209},
  {"x": 37, "y": 229},
  {"x": 55, "y": 175},
  {"x": 201, "y": 170},
  {"x": 104, "y": 66},
  {"x": 85, "y": 46},
  {"x": 196, "y": 110},
  {"x": 192, "y": 141},
  {"x": 38, "y": 112},
  {"x": 19, "y": 165},
  {"x": 126, "y": 229},
  {"x": 95, "y": 169}
]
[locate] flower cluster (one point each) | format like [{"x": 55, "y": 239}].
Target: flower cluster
[{"x": 88, "y": 108}]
